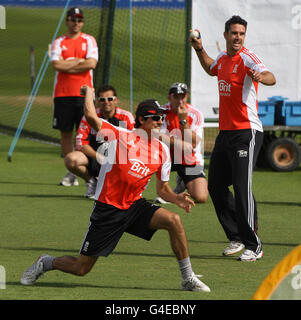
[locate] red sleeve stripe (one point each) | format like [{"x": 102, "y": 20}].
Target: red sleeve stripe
[{"x": 252, "y": 56}]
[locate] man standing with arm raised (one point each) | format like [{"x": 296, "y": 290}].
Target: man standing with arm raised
[{"x": 239, "y": 71}]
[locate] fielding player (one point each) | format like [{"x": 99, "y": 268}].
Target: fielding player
[
  {"x": 133, "y": 157},
  {"x": 240, "y": 138},
  {"x": 74, "y": 55},
  {"x": 84, "y": 161},
  {"x": 185, "y": 122}
]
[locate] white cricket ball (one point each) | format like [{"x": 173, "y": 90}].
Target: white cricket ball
[{"x": 195, "y": 34}]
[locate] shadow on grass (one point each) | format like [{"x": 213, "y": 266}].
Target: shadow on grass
[
  {"x": 118, "y": 253},
  {"x": 87, "y": 285},
  {"x": 28, "y": 183},
  {"x": 297, "y": 204},
  {"x": 47, "y": 196},
  {"x": 39, "y": 149},
  {"x": 264, "y": 243}
]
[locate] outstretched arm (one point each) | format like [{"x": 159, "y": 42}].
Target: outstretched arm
[
  {"x": 182, "y": 200},
  {"x": 266, "y": 77}
]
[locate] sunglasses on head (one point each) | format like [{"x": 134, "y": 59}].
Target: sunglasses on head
[
  {"x": 156, "y": 117},
  {"x": 110, "y": 99},
  {"x": 75, "y": 19}
]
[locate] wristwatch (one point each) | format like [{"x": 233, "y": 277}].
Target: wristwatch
[{"x": 183, "y": 122}]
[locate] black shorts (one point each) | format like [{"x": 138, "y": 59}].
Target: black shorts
[
  {"x": 93, "y": 167},
  {"x": 108, "y": 223},
  {"x": 68, "y": 111},
  {"x": 189, "y": 173}
]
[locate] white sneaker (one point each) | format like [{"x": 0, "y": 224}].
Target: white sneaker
[
  {"x": 234, "y": 247},
  {"x": 31, "y": 274},
  {"x": 160, "y": 200},
  {"x": 91, "y": 187},
  {"x": 69, "y": 180},
  {"x": 249, "y": 255},
  {"x": 194, "y": 284},
  {"x": 180, "y": 185}
]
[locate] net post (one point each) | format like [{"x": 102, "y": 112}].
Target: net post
[{"x": 188, "y": 8}]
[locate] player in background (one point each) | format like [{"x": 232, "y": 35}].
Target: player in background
[
  {"x": 74, "y": 55},
  {"x": 186, "y": 122},
  {"x": 133, "y": 157},
  {"x": 239, "y": 71},
  {"x": 84, "y": 161}
]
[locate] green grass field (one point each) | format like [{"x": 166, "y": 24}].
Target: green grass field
[{"x": 38, "y": 216}]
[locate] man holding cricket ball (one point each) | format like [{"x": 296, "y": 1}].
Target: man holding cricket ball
[{"x": 239, "y": 71}]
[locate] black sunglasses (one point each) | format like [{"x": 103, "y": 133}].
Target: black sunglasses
[
  {"x": 110, "y": 99},
  {"x": 156, "y": 117},
  {"x": 75, "y": 19}
]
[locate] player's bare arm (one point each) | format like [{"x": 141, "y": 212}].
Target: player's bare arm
[
  {"x": 182, "y": 200},
  {"x": 266, "y": 77},
  {"x": 89, "y": 108},
  {"x": 188, "y": 135},
  {"x": 204, "y": 59}
]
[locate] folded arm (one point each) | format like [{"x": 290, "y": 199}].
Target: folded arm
[{"x": 75, "y": 65}]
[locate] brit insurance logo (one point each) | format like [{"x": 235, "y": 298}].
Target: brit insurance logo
[
  {"x": 138, "y": 169},
  {"x": 224, "y": 88}
]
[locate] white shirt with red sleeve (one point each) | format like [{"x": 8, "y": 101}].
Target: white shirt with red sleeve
[
  {"x": 171, "y": 126},
  {"x": 131, "y": 161},
  {"x": 84, "y": 46},
  {"x": 238, "y": 102}
]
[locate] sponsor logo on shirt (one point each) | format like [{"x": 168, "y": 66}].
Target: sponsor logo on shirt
[
  {"x": 224, "y": 88},
  {"x": 138, "y": 169}
]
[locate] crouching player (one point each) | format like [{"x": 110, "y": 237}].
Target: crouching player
[{"x": 133, "y": 157}]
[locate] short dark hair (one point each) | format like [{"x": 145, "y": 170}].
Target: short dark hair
[
  {"x": 235, "y": 20},
  {"x": 147, "y": 108},
  {"x": 105, "y": 88}
]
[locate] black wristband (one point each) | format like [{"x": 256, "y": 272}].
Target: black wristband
[{"x": 199, "y": 50}]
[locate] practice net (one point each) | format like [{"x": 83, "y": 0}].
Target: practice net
[{"x": 141, "y": 53}]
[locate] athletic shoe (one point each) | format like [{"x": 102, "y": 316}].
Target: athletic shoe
[
  {"x": 234, "y": 247},
  {"x": 91, "y": 187},
  {"x": 31, "y": 274},
  {"x": 249, "y": 255},
  {"x": 160, "y": 200},
  {"x": 180, "y": 186},
  {"x": 194, "y": 284},
  {"x": 69, "y": 180}
]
